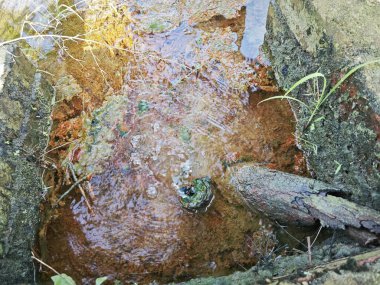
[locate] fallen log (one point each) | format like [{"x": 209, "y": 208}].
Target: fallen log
[{"x": 298, "y": 200}]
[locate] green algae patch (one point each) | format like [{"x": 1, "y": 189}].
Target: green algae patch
[
  {"x": 158, "y": 27},
  {"x": 198, "y": 195},
  {"x": 185, "y": 134},
  {"x": 143, "y": 107},
  {"x": 101, "y": 131}
]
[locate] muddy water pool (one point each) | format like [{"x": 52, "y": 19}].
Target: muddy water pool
[{"x": 172, "y": 100}]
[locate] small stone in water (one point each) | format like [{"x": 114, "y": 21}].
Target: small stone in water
[
  {"x": 198, "y": 195},
  {"x": 152, "y": 191},
  {"x": 143, "y": 106},
  {"x": 212, "y": 265}
]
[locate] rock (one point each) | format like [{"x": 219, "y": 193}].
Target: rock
[
  {"x": 290, "y": 269},
  {"x": 342, "y": 146},
  {"x": 198, "y": 195},
  {"x": 24, "y": 124}
]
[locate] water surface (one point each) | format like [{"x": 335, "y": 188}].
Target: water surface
[{"x": 171, "y": 102}]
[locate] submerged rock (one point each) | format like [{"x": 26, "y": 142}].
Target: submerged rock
[
  {"x": 255, "y": 28},
  {"x": 198, "y": 195}
]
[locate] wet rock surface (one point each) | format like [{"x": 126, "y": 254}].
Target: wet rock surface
[
  {"x": 198, "y": 195},
  {"x": 305, "y": 36},
  {"x": 25, "y": 99},
  {"x": 295, "y": 269}
]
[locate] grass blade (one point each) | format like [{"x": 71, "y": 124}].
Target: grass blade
[
  {"x": 348, "y": 74},
  {"x": 307, "y": 78},
  {"x": 285, "y": 97}
]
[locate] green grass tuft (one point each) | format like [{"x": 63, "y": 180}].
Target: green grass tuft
[{"x": 321, "y": 96}]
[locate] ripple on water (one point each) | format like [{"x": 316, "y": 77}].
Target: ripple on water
[{"x": 183, "y": 113}]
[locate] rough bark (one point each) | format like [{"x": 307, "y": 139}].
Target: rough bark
[{"x": 298, "y": 200}]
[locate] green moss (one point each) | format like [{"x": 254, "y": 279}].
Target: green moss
[
  {"x": 185, "y": 134},
  {"x": 143, "y": 107},
  {"x": 198, "y": 195},
  {"x": 157, "y": 27},
  {"x": 100, "y": 134}
]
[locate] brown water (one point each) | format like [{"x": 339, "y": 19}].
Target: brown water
[
  {"x": 142, "y": 124},
  {"x": 138, "y": 230}
]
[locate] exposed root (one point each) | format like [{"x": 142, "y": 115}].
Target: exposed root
[{"x": 78, "y": 183}]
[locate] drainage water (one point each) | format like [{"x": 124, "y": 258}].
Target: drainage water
[
  {"x": 142, "y": 124},
  {"x": 255, "y": 28}
]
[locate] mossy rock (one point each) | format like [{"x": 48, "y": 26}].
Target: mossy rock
[
  {"x": 198, "y": 195},
  {"x": 25, "y": 100},
  {"x": 342, "y": 145}
]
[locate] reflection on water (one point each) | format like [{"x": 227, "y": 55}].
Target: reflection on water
[
  {"x": 255, "y": 28},
  {"x": 21, "y": 6},
  {"x": 139, "y": 231},
  {"x": 147, "y": 122},
  {"x": 32, "y": 20}
]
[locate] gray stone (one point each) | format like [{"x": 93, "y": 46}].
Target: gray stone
[
  {"x": 288, "y": 266},
  {"x": 25, "y": 99},
  {"x": 342, "y": 147}
]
